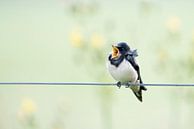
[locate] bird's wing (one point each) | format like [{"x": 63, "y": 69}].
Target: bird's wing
[{"x": 131, "y": 58}]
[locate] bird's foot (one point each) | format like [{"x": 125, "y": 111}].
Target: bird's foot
[
  {"x": 119, "y": 85},
  {"x": 127, "y": 85}
]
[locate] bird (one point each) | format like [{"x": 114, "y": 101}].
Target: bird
[{"x": 123, "y": 67}]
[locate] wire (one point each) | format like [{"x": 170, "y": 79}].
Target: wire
[
  {"x": 90, "y": 84},
  {"x": 58, "y": 83}
]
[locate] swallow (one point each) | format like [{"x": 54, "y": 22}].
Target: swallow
[{"x": 123, "y": 68}]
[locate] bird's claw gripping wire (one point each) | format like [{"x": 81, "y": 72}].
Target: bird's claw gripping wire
[
  {"x": 119, "y": 85},
  {"x": 127, "y": 85}
]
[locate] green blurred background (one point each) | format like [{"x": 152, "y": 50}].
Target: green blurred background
[{"x": 69, "y": 40}]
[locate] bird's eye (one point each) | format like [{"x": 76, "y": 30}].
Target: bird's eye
[{"x": 122, "y": 49}]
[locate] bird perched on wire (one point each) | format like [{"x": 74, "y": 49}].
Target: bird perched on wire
[{"x": 123, "y": 68}]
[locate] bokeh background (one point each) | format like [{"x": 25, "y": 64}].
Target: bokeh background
[{"x": 69, "y": 40}]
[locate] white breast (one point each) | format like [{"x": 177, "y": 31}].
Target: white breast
[{"x": 124, "y": 72}]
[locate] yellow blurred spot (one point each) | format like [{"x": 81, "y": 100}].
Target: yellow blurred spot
[
  {"x": 76, "y": 38},
  {"x": 97, "y": 40},
  {"x": 173, "y": 24},
  {"x": 28, "y": 106},
  {"x": 163, "y": 55}
]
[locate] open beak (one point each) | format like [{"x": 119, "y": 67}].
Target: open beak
[{"x": 115, "y": 52}]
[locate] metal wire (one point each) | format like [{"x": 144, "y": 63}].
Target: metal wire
[
  {"x": 90, "y": 84},
  {"x": 58, "y": 83}
]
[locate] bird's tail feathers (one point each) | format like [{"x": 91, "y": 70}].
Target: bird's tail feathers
[{"x": 138, "y": 94}]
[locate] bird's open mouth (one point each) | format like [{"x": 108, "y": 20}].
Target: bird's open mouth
[{"x": 115, "y": 52}]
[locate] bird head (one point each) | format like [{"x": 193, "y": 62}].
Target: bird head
[{"x": 119, "y": 49}]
